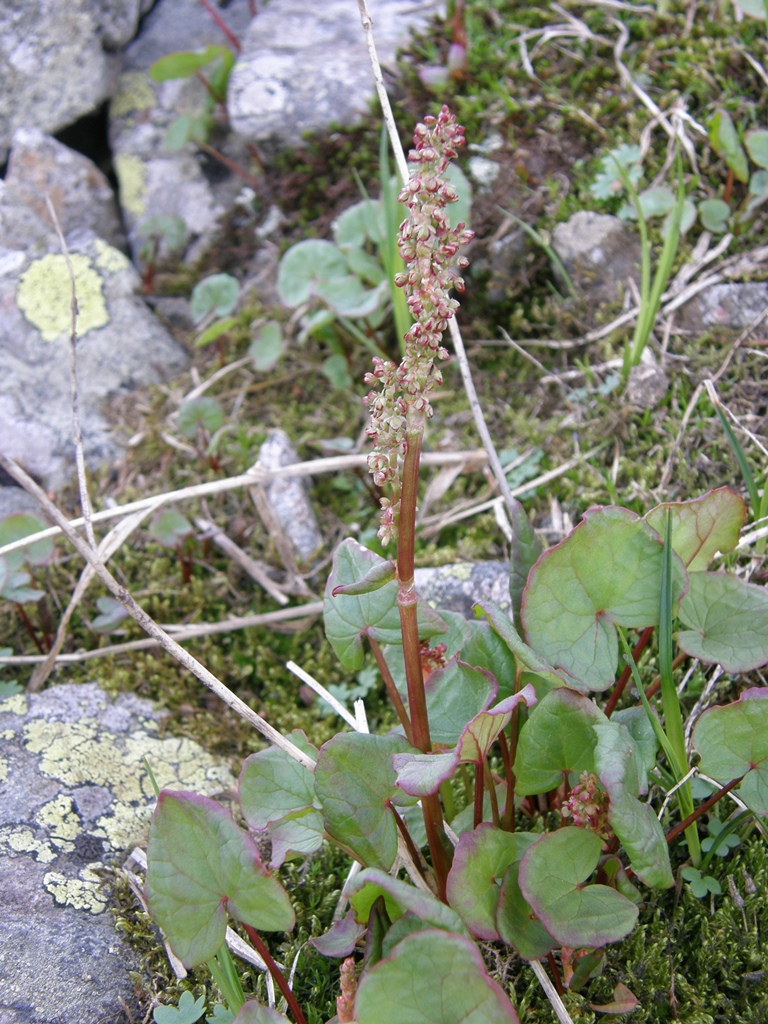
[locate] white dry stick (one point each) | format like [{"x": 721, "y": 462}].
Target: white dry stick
[
  {"x": 256, "y": 570},
  {"x": 551, "y": 993},
  {"x": 327, "y": 696},
  {"x": 147, "y": 623},
  {"x": 255, "y": 475}
]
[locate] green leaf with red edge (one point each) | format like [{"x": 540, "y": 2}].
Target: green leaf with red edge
[
  {"x": 635, "y": 823},
  {"x": 517, "y": 924},
  {"x": 624, "y": 1001},
  {"x": 480, "y": 861},
  {"x": 552, "y": 873},
  {"x": 422, "y": 774},
  {"x": 432, "y": 977},
  {"x": 400, "y": 898},
  {"x": 557, "y": 738},
  {"x": 455, "y": 694},
  {"x": 606, "y": 573},
  {"x": 727, "y": 621},
  {"x": 201, "y": 865},
  {"x": 254, "y": 1013},
  {"x": 703, "y": 526},
  {"x": 355, "y": 785},
  {"x": 732, "y": 740},
  {"x": 348, "y": 618},
  {"x": 526, "y": 657}
]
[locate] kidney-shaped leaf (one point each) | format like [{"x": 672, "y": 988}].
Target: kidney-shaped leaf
[
  {"x": 733, "y": 741},
  {"x": 432, "y": 977},
  {"x": 474, "y": 882},
  {"x": 201, "y": 865},
  {"x": 307, "y": 266},
  {"x": 552, "y": 873},
  {"x": 355, "y": 784},
  {"x": 606, "y": 572},
  {"x": 557, "y": 738},
  {"x": 727, "y": 621},
  {"x": 703, "y": 526},
  {"x": 349, "y": 617}
]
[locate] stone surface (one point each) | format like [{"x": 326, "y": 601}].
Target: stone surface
[
  {"x": 303, "y": 65},
  {"x": 459, "y": 586},
  {"x": 40, "y": 166},
  {"x": 73, "y": 793},
  {"x": 600, "y": 253},
  {"x": 59, "y": 60},
  {"x": 733, "y": 305},
  {"x": 121, "y": 344},
  {"x": 288, "y": 499}
]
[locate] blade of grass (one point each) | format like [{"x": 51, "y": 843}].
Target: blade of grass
[
  {"x": 749, "y": 481},
  {"x": 541, "y": 241}
]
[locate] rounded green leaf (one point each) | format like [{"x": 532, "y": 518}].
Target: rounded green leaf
[
  {"x": 557, "y": 738},
  {"x": 267, "y": 346},
  {"x": 307, "y": 265},
  {"x": 517, "y": 924},
  {"x": 432, "y": 977},
  {"x": 200, "y": 412},
  {"x": 24, "y": 524},
  {"x": 607, "y": 572},
  {"x": 552, "y": 873},
  {"x": 358, "y": 224},
  {"x": 733, "y": 741},
  {"x": 485, "y": 649},
  {"x": 201, "y": 865},
  {"x": 113, "y": 612},
  {"x": 349, "y": 617},
  {"x": 480, "y": 862},
  {"x": 756, "y": 142},
  {"x": 355, "y": 785},
  {"x": 170, "y": 528},
  {"x": 714, "y": 214},
  {"x": 656, "y": 201},
  {"x": 254, "y": 1013},
  {"x": 727, "y": 621},
  {"x": 214, "y": 295},
  {"x": 752, "y": 8},
  {"x": 455, "y": 694},
  {"x": 703, "y": 526},
  {"x": 725, "y": 141}
]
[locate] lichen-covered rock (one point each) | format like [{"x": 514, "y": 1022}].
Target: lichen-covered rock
[
  {"x": 733, "y": 305},
  {"x": 459, "y": 586},
  {"x": 121, "y": 344},
  {"x": 600, "y": 253},
  {"x": 59, "y": 60},
  {"x": 40, "y": 166},
  {"x": 303, "y": 66},
  {"x": 74, "y": 791}
]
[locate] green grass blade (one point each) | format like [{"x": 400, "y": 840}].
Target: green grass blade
[
  {"x": 541, "y": 241},
  {"x": 224, "y": 973},
  {"x": 749, "y": 480}
]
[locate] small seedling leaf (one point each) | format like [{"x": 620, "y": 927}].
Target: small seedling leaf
[
  {"x": 215, "y": 331},
  {"x": 357, "y": 225},
  {"x": 336, "y": 371},
  {"x": 724, "y": 139},
  {"x": 552, "y": 873},
  {"x": 16, "y": 589},
  {"x": 607, "y": 572},
  {"x": 756, "y": 143},
  {"x": 220, "y": 1015},
  {"x": 169, "y": 228},
  {"x": 714, "y": 214},
  {"x": 267, "y": 346},
  {"x": 112, "y": 613},
  {"x": 657, "y": 201},
  {"x": 184, "y": 63},
  {"x": 200, "y": 412},
  {"x": 624, "y": 1001},
  {"x": 189, "y": 891},
  {"x": 188, "y": 1011},
  {"x": 608, "y": 182},
  {"x": 24, "y": 524},
  {"x": 726, "y": 620},
  {"x": 170, "y": 528},
  {"x": 349, "y": 618},
  {"x": 434, "y": 976},
  {"x": 701, "y": 885},
  {"x": 215, "y": 295},
  {"x": 355, "y": 785}
]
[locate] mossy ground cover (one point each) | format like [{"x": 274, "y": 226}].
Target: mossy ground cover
[{"x": 699, "y": 961}]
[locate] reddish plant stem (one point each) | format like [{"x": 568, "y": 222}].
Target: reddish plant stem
[
  {"x": 414, "y": 852},
  {"x": 231, "y": 165},
  {"x": 231, "y": 37},
  {"x": 479, "y": 790},
  {"x": 701, "y": 809},
  {"x": 555, "y": 975},
  {"x": 489, "y": 785},
  {"x": 508, "y": 818},
  {"x": 30, "y": 628},
  {"x": 260, "y": 946},
  {"x": 618, "y": 689},
  {"x": 392, "y": 690}
]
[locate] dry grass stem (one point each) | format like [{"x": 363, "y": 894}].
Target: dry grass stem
[{"x": 256, "y": 570}]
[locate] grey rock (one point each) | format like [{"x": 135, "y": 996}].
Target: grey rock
[
  {"x": 647, "y": 386},
  {"x": 14, "y": 500},
  {"x": 153, "y": 180},
  {"x": 288, "y": 499},
  {"x": 506, "y": 261},
  {"x": 56, "y": 61},
  {"x": 121, "y": 345},
  {"x": 73, "y": 793},
  {"x": 303, "y": 66},
  {"x": 459, "y": 586},
  {"x": 39, "y": 166},
  {"x": 733, "y": 305},
  {"x": 600, "y": 253}
]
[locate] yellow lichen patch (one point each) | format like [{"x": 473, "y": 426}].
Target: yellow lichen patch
[
  {"x": 23, "y": 840},
  {"x": 134, "y": 94},
  {"x": 109, "y": 259},
  {"x": 132, "y": 179},
  {"x": 61, "y": 820},
  {"x": 83, "y": 893},
  {"x": 16, "y": 705},
  {"x": 44, "y": 296}
]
